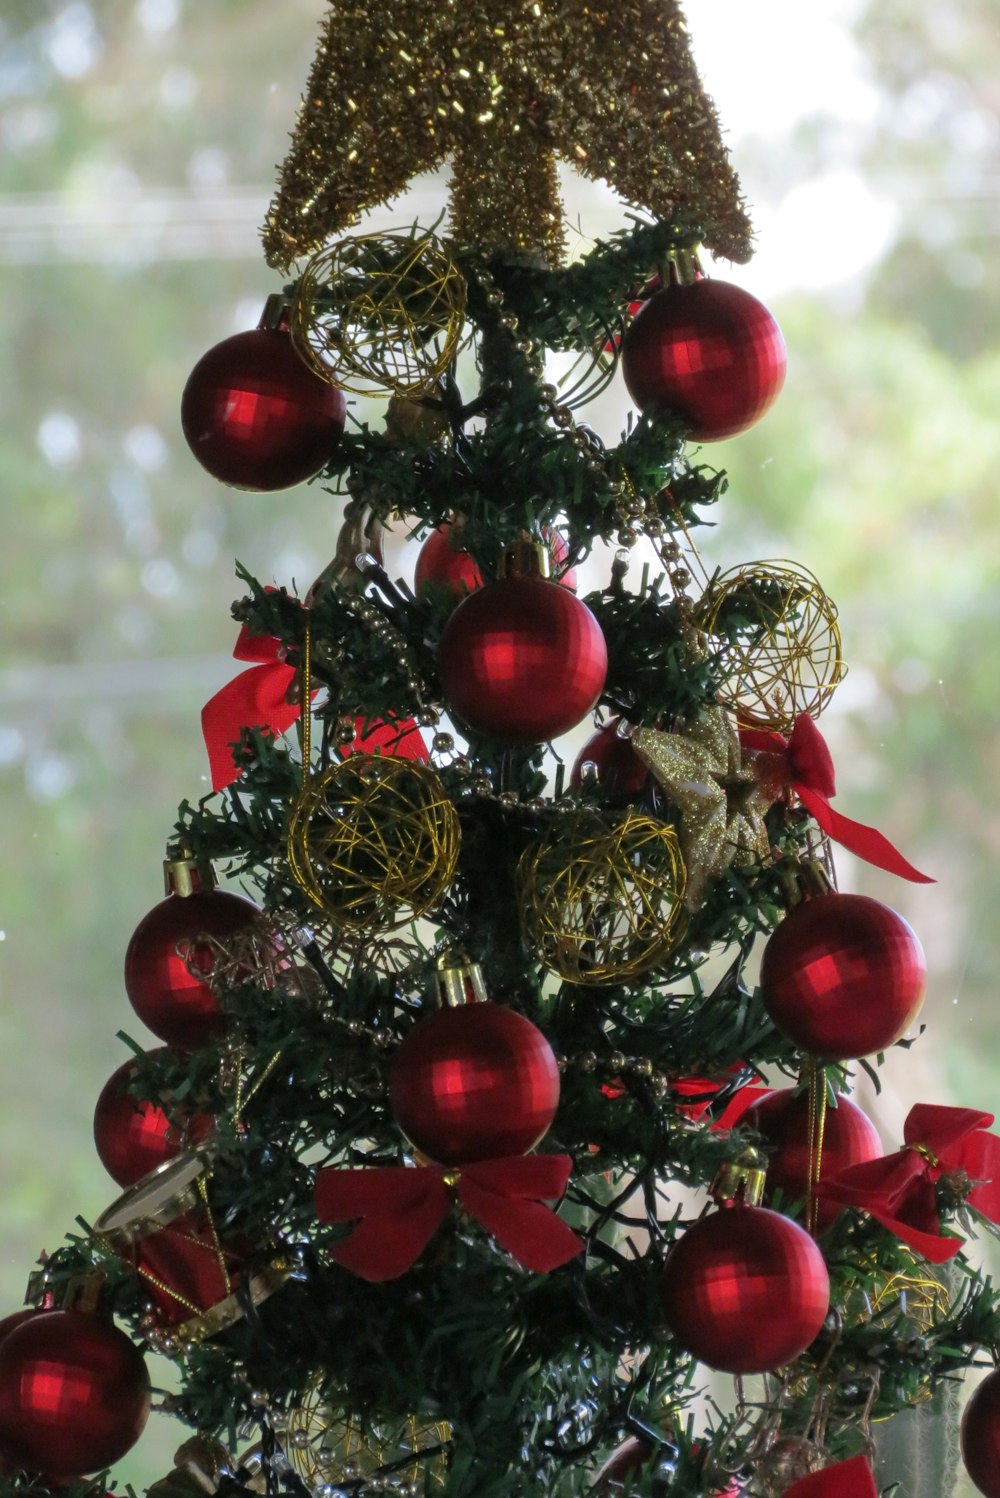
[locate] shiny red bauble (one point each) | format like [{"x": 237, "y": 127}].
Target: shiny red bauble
[
  {"x": 256, "y": 416},
  {"x": 782, "y": 1120},
  {"x": 74, "y": 1394},
  {"x": 623, "y": 1466},
  {"x": 745, "y": 1290},
  {"x": 134, "y": 1135},
  {"x": 443, "y": 561},
  {"x": 16, "y": 1319},
  {"x": 522, "y": 660},
  {"x": 620, "y": 772},
  {"x": 843, "y": 976},
  {"x": 618, "y": 1475},
  {"x": 708, "y": 352},
  {"x": 168, "y": 997},
  {"x": 981, "y": 1436},
  {"x": 474, "y": 1083}
]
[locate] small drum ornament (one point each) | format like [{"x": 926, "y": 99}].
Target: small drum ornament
[{"x": 199, "y": 1285}]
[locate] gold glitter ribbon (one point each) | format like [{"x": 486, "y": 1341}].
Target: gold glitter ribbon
[
  {"x": 721, "y": 804},
  {"x": 501, "y": 87},
  {"x": 817, "y": 1129}
]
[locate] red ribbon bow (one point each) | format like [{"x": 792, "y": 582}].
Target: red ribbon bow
[
  {"x": 803, "y": 762},
  {"x": 901, "y": 1190},
  {"x": 850, "y": 1479},
  {"x": 401, "y": 1208},
  {"x": 258, "y": 698}
]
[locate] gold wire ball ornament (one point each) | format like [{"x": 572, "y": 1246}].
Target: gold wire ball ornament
[
  {"x": 603, "y": 902},
  {"x": 380, "y": 312},
  {"x": 373, "y": 841},
  {"x": 778, "y": 640},
  {"x": 327, "y": 1447},
  {"x": 911, "y": 1296}
]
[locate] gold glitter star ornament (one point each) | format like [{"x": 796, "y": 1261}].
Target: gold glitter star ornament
[
  {"x": 721, "y": 804},
  {"x": 501, "y": 87}
]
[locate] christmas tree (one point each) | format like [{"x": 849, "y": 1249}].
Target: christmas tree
[{"x": 473, "y": 1146}]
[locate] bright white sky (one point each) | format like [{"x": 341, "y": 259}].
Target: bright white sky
[{"x": 768, "y": 64}]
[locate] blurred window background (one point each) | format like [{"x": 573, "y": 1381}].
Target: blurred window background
[{"x": 138, "y": 140}]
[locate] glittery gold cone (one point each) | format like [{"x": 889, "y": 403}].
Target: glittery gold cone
[{"x": 501, "y": 87}]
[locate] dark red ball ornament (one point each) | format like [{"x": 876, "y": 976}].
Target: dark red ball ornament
[
  {"x": 522, "y": 660},
  {"x": 74, "y": 1394},
  {"x": 708, "y": 352},
  {"x": 175, "y": 1003},
  {"x": 619, "y": 770},
  {"x": 443, "y": 561},
  {"x": 619, "y": 1473},
  {"x": 745, "y": 1290},
  {"x": 981, "y": 1436},
  {"x": 782, "y": 1120},
  {"x": 134, "y": 1135},
  {"x": 474, "y": 1083},
  {"x": 843, "y": 976},
  {"x": 255, "y": 415},
  {"x": 636, "y": 1456}
]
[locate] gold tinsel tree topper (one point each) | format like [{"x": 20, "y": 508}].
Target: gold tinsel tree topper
[{"x": 501, "y": 87}]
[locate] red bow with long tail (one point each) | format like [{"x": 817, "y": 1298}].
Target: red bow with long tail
[
  {"x": 947, "y": 1151},
  {"x": 259, "y": 698},
  {"x": 401, "y": 1208},
  {"x": 803, "y": 762},
  {"x": 850, "y": 1479}
]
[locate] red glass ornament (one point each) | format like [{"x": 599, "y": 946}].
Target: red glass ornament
[
  {"x": 166, "y": 995},
  {"x": 522, "y": 660},
  {"x": 782, "y": 1120},
  {"x": 18, "y": 1318},
  {"x": 980, "y": 1436},
  {"x": 708, "y": 352},
  {"x": 256, "y": 416},
  {"x": 74, "y": 1393},
  {"x": 745, "y": 1290},
  {"x": 843, "y": 976},
  {"x": 443, "y": 561},
  {"x": 134, "y": 1135},
  {"x": 622, "y": 1468},
  {"x": 474, "y": 1082},
  {"x": 620, "y": 771}
]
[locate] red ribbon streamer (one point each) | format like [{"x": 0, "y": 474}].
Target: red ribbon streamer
[
  {"x": 900, "y": 1190},
  {"x": 850, "y": 1479},
  {"x": 803, "y": 762},
  {"x": 258, "y": 698},
  {"x": 401, "y": 1208},
  {"x": 702, "y": 1091},
  {"x": 740, "y": 1102}
]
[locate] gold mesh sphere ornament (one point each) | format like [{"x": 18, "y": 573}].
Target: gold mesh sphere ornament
[
  {"x": 380, "y": 312},
  {"x": 373, "y": 841},
  {"x": 328, "y": 1447},
  {"x": 778, "y": 641},
  {"x": 912, "y": 1297},
  {"x": 602, "y": 901}
]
